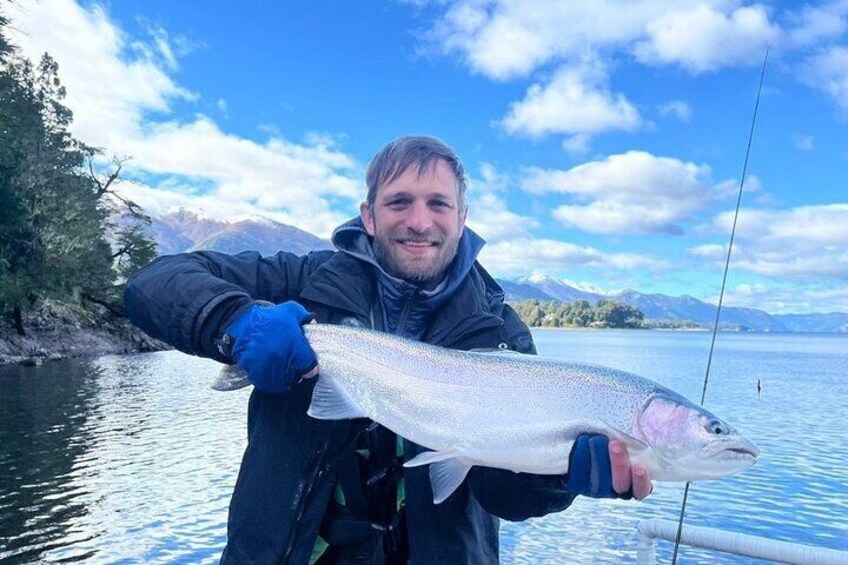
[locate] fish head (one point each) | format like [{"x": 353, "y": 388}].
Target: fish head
[{"x": 690, "y": 443}]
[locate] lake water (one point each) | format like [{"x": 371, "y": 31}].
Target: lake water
[{"x": 131, "y": 459}]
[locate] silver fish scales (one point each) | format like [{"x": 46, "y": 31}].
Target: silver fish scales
[{"x": 509, "y": 410}]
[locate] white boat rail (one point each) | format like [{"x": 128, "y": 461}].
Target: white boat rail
[{"x": 731, "y": 542}]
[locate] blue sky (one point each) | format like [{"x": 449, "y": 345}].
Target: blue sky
[{"x": 604, "y": 140}]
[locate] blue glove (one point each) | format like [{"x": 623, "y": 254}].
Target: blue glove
[
  {"x": 589, "y": 468},
  {"x": 268, "y": 343}
]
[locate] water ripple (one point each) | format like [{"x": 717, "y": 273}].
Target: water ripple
[{"x": 132, "y": 459}]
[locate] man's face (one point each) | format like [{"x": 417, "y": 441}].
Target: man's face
[{"x": 416, "y": 223}]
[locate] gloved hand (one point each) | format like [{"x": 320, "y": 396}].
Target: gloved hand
[
  {"x": 589, "y": 468},
  {"x": 268, "y": 343}
]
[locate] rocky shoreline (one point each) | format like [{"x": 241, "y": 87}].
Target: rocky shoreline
[{"x": 59, "y": 331}]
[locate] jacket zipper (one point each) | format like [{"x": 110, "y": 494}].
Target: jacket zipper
[{"x": 404, "y": 313}]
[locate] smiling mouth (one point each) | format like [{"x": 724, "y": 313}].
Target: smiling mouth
[{"x": 419, "y": 244}]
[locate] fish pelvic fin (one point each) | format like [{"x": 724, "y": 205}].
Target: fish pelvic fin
[
  {"x": 331, "y": 402},
  {"x": 428, "y": 457},
  {"x": 446, "y": 476}
]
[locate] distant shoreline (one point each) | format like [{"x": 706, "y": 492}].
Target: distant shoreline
[
  {"x": 693, "y": 330},
  {"x": 61, "y": 331}
]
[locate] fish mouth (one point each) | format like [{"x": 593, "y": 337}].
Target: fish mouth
[
  {"x": 744, "y": 450},
  {"x": 754, "y": 453},
  {"x": 737, "y": 449}
]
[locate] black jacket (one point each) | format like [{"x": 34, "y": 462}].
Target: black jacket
[{"x": 291, "y": 463}]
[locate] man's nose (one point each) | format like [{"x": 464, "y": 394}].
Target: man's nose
[{"x": 420, "y": 218}]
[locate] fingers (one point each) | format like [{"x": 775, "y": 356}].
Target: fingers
[
  {"x": 625, "y": 477},
  {"x": 642, "y": 485},
  {"x": 620, "y": 463}
]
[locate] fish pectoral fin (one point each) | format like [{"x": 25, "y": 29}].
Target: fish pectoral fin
[
  {"x": 633, "y": 443},
  {"x": 446, "y": 476},
  {"x": 428, "y": 457},
  {"x": 331, "y": 402}
]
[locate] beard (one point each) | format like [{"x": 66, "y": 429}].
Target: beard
[{"x": 425, "y": 270}]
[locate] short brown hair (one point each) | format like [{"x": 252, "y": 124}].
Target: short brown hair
[{"x": 421, "y": 151}]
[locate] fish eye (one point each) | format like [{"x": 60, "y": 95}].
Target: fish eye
[{"x": 717, "y": 427}]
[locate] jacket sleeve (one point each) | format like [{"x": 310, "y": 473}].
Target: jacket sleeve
[
  {"x": 185, "y": 299},
  {"x": 518, "y": 496}
]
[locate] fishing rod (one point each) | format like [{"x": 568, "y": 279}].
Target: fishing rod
[{"x": 723, "y": 285}]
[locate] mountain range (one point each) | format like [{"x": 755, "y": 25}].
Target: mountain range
[
  {"x": 663, "y": 307},
  {"x": 185, "y": 230}
]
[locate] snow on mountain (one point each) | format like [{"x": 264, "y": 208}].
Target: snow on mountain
[{"x": 185, "y": 230}]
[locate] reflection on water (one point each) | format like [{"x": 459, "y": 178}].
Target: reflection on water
[
  {"x": 120, "y": 459},
  {"x": 133, "y": 458}
]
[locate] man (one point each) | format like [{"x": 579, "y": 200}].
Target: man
[{"x": 335, "y": 491}]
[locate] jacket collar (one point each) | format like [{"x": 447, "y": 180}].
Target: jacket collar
[
  {"x": 347, "y": 283},
  {"x": 344, "y": 283},
  {"x": 352, "y": 238}
]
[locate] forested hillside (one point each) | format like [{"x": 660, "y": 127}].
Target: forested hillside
[{"x": 64, "y": 234}]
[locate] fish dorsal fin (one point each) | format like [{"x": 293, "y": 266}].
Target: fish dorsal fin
[
  {"x": 331, "y": 402},
  {"x": 428, "y": 457},
  {"x": 494, "y": 351},
  {"x": 446, "y": 476}
]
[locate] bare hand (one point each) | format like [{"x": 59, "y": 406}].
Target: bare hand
[{"x": 624, "y": 476}]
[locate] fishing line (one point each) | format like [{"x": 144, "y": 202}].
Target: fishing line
[{"x": 721, "y": 293}]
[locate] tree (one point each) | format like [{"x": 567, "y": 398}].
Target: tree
[
  {"x": 58, "y": 236},
  {"x": 580, "y": 314}
]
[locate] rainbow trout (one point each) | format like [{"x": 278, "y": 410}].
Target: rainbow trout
[{"x": 509, "y": 410}]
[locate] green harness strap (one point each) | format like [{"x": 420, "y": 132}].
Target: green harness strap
[{"x": 349, "y": 517}]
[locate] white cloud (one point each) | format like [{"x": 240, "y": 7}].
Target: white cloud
[
  {"x": 804, "y": 142},
  {"x": 676, "y": 108},
  {"x": 777, "y": 298},
  {"x": 576, "y": 101},
  {"x": 807, "y": 242},
  {"x": 490, "y": 179},
  {"x": 519, "y": 256},
  {"x": 170, "y": 195},
  {"x": 488, "y": 212},
  {"x": 703, "y": 38},
  {"x": 633, "y": 192},
  {"x": 710, "y": 251},
  {"x": 221, "y": 104},
  {"x": 814, "y": 24},
  {"x": 121, "y": 91},
  {"x": 828, "y": 71},
  {"x": 490, "y": 217},
  {"x": 577, "y": 145},
  {"x": 504, "y": 39},
  {"x": 111, "y": 85}
]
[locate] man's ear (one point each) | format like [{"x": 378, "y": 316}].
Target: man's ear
[{"x": 367, "y": 216}]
